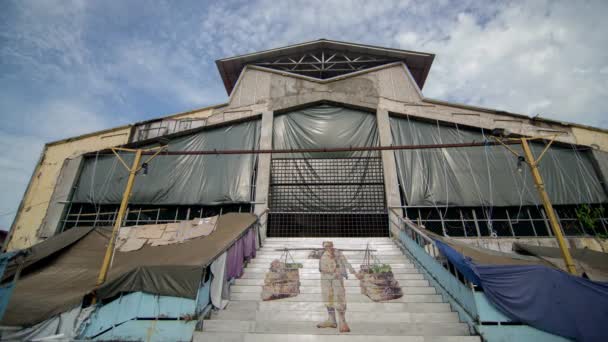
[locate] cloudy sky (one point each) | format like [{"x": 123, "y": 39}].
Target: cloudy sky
[{"x": 71, "y": 67}]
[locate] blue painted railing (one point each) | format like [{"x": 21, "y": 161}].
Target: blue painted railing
[{"x": 472, "y": 306}]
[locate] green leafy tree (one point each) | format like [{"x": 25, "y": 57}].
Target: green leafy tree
[{"x": 589, "y": 217}]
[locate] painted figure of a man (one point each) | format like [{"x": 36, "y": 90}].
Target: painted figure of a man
[{"x": 333, "y": 267}]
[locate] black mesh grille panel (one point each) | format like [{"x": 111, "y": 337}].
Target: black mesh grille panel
[{"x": 327, "y": 197}]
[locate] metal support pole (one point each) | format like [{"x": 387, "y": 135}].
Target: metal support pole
[
  {"x": 540, "y": 186},
  {"x": 105, "y": 266}
]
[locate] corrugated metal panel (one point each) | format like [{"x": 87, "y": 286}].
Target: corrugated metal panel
[{"x": 137, "y": 305}]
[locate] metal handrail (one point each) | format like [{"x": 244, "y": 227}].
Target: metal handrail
[
  {"x": 412, "y": 226},
  {"x": 424, "y": 241}
]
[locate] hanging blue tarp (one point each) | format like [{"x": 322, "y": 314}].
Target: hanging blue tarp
[{"x": 542, "y": 297}]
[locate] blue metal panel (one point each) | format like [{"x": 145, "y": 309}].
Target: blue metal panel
[
  {"x": 520, "y": 333},
  {"x": 457, "y": 290},
  {"x": 137, "y": 305},
  {"x": 6, "y": 290},
  {"x": 203, "y": 297},
  {"x": 150, "y": 331},
  {"x": 487, "y": 311}
]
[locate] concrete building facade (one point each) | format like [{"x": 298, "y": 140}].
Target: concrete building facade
[{"x": 262, "y": 86}]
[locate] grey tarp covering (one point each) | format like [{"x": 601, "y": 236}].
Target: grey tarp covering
[
  {"x": 179, "y": 179},
  {"x": 484, "y": 256},
  {"x": 58, "y": 283},
  {"x": 593, "y": 263},
  {"x": 601, "y": 160},
  {"x": 485, "y": 175},
  {"x": 47, "y": 248},
  {"x": 324, "y": 126}
]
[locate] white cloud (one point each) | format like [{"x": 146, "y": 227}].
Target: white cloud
[
  {"x": 527, "y": 59},
  {"x": 66, "y": 69}
]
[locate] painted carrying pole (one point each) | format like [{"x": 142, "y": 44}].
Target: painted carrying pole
[{"x": 540, "y": 186}]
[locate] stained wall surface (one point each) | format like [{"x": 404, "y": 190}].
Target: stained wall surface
[{"x": 39, "y": 192}]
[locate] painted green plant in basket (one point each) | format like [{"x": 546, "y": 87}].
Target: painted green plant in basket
[
  {"x": 294, "y": 265},
  {"x": 381, "y": 268},
  {"x": 589, "y": 216}
]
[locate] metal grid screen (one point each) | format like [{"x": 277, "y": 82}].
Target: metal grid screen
[{"x": 312, "y": 197}]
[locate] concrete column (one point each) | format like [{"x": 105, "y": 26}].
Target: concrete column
[
  {"x": 391, "y": 184},
  {"x": 262, "y": 184},
  {"x": 66, "y": 181}
]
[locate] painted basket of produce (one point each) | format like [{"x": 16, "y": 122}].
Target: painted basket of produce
[
  {"x": 378, "y": 281},
  {"x": 282, "y": 279}
]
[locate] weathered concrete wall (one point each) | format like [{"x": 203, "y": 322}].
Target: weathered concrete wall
[
  {"x": 391, "y": 88},
  {"x": 591, "y": 137},
  {"x": 39, "y": 192},
  {"x": 389, "y": 168},
  {"x": 66, "y": 181},
  {"x": 262, "y": 184},
  {"x": 172, "y": 124}
]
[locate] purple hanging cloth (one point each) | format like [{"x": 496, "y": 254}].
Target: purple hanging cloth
[
  {"x": 234, "y": 260},
  {"x": 249, "y": 244}
]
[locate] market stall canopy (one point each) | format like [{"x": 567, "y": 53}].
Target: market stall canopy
[{"x": 58, "y": 279}]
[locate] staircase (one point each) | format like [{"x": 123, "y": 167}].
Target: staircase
[{"x": 420, "y": 315}]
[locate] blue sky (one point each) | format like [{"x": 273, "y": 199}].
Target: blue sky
[{"x": 71, "y": 67}]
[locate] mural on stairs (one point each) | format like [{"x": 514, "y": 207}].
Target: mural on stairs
[{"x": 376, "y": 280}]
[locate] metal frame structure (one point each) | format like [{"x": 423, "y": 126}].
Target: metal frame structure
[
  {"x": 533, "y": 162},
  {"x": 104, "y": 215},
  {"x": 324, "y": 64},
  {"x": 327, "y": 197}
]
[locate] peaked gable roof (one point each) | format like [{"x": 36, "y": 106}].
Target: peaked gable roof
[{"x": 325, "y": 59}]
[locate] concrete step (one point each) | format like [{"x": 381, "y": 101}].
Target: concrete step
[
  {"x": 350, "y": 298},
  {"x": 384, "y": 259},
  {"x": 273, "y": 305},
  {"x": 317, "y": 289},
  {"x": 372, "y": 327},
  {"x": 317, "y": 316},
  {"x": 245, "y": 337},
  {"x": 313, "y": 270},
  {"x": 414, "y": 275},
  {"x": 323, "y": 238},
  {"x": 420, "y": 315},
  {"x": 348, "y": 255},
  {"x": 373, "y": 249},
  {"x": 308, "y": 249},
  {"x": 346, "y": 246},
  {"x": 315, "y": 263},
  {"x": 337, "y": 244},
  {"x": 347, "y": 283}
]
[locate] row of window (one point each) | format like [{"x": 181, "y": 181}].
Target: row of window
[
  {"x": 89, "y": 215},
  {"x": 502, "y": 221}
]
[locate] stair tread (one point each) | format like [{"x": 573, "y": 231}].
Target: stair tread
[
  {"x": 357, "y": 328},
  {"x": 357, "y": 316},
  {"x": 350, "y": 337},
  {"x": 350, "y": 298},
  {"x": 352, "y": 307},
  {"x": 420, "y": 315}
]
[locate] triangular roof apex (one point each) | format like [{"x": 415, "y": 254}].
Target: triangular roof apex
[{"x": 308, "y": 58}]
